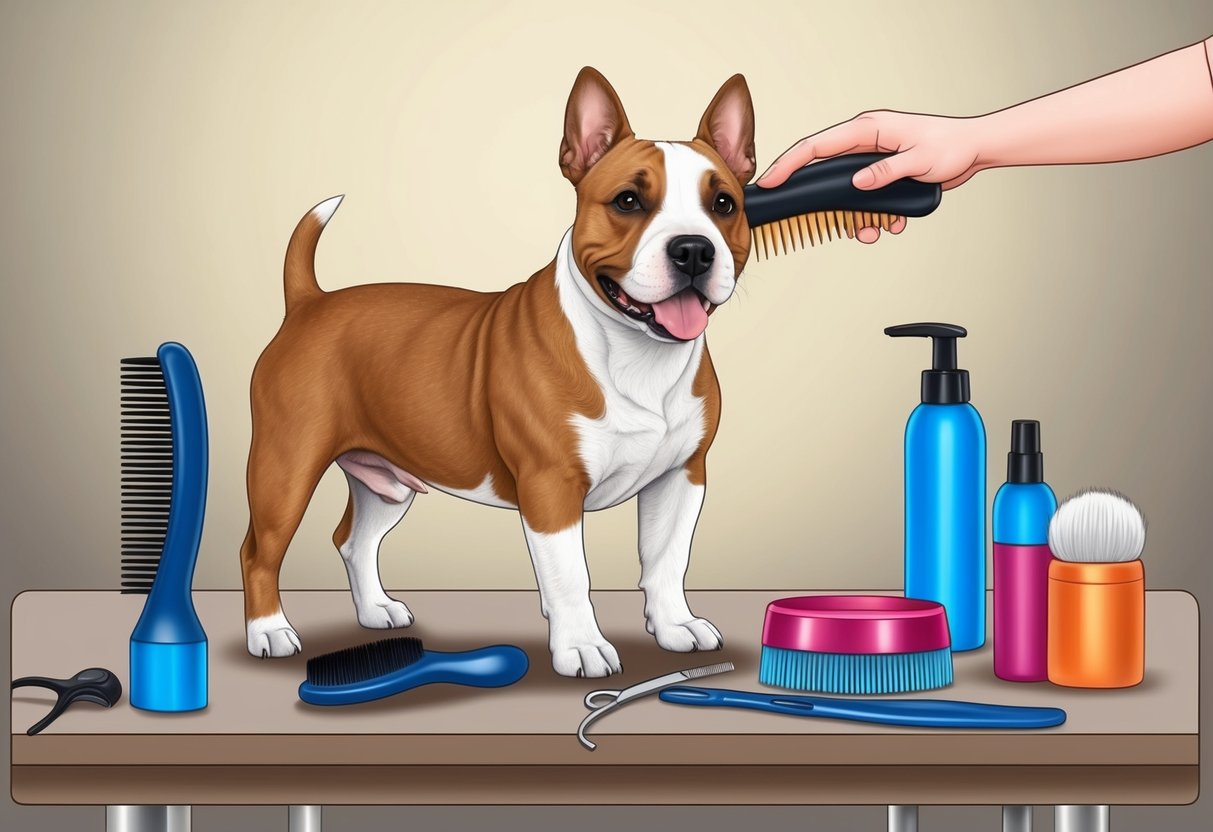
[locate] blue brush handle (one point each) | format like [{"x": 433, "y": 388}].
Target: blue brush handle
[
  {"x": 917, "y": 713},
  {"x": 488, "y": 667},
  {"x": 168, "y": 615},
  {"x": 168, "y": 645}
]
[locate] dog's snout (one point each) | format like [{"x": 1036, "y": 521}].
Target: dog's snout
[{"x": 691, "y": 254}]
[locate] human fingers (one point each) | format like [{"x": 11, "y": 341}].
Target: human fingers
[
  {"x": 871, "y": 233},
  {"x": 868, "y": 234},
  {"x": 891, "y": 168},
  {"x": 857, "y": 135}
]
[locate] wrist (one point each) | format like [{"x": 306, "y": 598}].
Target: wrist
[{"x": 990, "y": 138}]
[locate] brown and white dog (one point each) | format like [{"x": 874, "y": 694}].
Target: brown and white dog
[{"x": 586, "y": 385}]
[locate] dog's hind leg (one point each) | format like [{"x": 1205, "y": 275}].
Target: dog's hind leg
[
  {"x": 380, "y": 496},
  {"x": 280, "y": 484}
]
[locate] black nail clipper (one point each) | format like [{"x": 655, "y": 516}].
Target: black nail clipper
[{"x": 96, "y": 685}]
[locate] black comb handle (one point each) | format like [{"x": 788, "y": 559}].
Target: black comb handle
[{"x": 826, "y": 186}]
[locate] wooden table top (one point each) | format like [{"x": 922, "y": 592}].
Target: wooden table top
[{"x": 255, "y": 718}]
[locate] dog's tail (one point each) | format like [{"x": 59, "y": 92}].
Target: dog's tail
[{"x": 299, "y": 273}]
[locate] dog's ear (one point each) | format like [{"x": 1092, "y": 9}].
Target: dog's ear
[
  {"x": 593, "y": 121},
  {"x": 728, "y": 126}
]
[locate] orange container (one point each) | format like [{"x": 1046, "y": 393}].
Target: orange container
[{"x": 1097, "y": 624}]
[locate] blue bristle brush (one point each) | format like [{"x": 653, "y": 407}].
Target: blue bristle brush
[
  {"x": 164, "y": 470},
  {"x": 855, "y": 644},
  {"x": 394, "y": 665}
]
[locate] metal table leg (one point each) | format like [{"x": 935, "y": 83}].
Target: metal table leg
[
  {"x": 1016, "y": 819},
  {"x": 1081, "y": 819},
  {"x": 305, "y": 819},
  {"x": 147, "y": 818},
  {"x": 903, "y": 819}
]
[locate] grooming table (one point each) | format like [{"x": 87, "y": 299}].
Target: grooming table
[{"x": 257, "y": 743}]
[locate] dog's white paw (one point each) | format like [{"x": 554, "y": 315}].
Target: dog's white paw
[
  {"x": 593, "y": 659},
  {"x": 272, "y": 637},
  {"x": 687, "y": 636},
  {"x": 384, "y": 614}
]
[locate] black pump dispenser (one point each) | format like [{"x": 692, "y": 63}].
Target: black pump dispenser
[
  {"x": 944, "y": 383},
  {"x": 1025, "y": 462}
]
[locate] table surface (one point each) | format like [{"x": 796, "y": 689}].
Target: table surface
[{"x": 516, "y": 745}]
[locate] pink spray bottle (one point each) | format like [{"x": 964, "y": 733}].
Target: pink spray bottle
[{"x": 1023, "y": 507}]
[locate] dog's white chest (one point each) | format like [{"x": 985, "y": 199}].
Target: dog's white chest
[
  {"x": 652, "y": 421},
  {"x": 632, "y": 445}
]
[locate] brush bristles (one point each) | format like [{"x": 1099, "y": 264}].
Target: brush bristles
[
  {"x": 782, "y": 236},
  {"x": 852, "y": 673},
  {"x": 364, "y": 661},
  {"x": 1097, "y": 526}
]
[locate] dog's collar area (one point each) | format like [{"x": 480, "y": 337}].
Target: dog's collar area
[{"x": 635, "y": 309}]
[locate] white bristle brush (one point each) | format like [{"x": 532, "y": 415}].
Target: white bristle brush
[{"x": 1097, "y": 526}]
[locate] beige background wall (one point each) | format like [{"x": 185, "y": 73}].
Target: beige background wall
[{"x": 156, "y": 156}]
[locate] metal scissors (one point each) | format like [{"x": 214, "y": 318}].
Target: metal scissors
[{"x": 601, "y": 702}]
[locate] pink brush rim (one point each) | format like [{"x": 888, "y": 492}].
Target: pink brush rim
[{"x": 855, "y": 624}]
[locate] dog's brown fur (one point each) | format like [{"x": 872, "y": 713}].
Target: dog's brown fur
[{"x": 448, "y": 384}]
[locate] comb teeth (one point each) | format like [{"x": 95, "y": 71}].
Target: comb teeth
[
  {"x": 147, "y": 470},
  {"x": 804, "y": 230},
  {"x": 709, "y": 670}
]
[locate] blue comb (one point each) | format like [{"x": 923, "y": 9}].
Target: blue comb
[
  {"x": 164, "y": 470},
  {"x": 391, "y": 666},
  {"x": 915, "y": 713}
]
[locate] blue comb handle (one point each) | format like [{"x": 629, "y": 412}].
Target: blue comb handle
[
  {"x": 168, "y": 645},
  {"x": 488, "y": 667},
  {"x": 917, "y": 713}
]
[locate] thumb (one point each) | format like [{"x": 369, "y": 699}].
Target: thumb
[{"x": 889, "y": 170}]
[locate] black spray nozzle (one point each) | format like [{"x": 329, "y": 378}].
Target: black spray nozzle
[
  {"x": 1025, "y": 462},
  {"x": 944, "y": 383}
]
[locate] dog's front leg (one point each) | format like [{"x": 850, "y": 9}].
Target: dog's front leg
[
  {"x": 557, "y": 550},
  {"x": 668, "y": 510}
]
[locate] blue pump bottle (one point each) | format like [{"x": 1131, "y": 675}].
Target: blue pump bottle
[{"x": 945, "y": 491}]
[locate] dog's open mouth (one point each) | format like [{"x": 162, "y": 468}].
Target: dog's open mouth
[{"x": 680, "y": 317}]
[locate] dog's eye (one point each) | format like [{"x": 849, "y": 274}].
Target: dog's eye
[
  {"x": 627, "y": 202},
  {"x": 723, "y": 204}
]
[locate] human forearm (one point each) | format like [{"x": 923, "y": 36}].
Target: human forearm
[{"x": 1154, "y": 107}]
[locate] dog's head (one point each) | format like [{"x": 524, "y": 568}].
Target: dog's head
[{"x": 660, "y": 235}]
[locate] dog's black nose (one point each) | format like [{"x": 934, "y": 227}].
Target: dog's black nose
[{"x": 692, "y": 254}]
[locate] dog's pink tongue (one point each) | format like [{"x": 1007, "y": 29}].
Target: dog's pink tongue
[{"x": 683, "y": 315}]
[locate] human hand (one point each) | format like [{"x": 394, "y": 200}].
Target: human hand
[{"x": 928, "y": 148}]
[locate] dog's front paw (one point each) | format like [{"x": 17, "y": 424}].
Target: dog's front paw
[
  {"x": 592, "y": 659},
  {"x": 272, "y": 637},
  {"x": 384, "y": 614},
  {"x": 687, "y": 636}
]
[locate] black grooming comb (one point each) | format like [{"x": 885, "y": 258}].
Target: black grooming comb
[{"x": 818, "y": 203}]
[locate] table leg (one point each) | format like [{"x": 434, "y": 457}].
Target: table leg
[
  {"x": 147, "y": 818},
  {"x": 305, "y": 819},
  {"x": 903, "y": 819},
  {"x": 1081, "y": 819},
  {"x": 1016, "y": 819}
]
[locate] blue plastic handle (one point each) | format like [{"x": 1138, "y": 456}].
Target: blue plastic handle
[
  {"x": 917, "y": 713},
  {"x": 488, "y": 667},
  {"x": 168, "y": 648}
]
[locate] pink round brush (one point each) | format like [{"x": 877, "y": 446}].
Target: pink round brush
[{"x": 855, "y": 644}]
